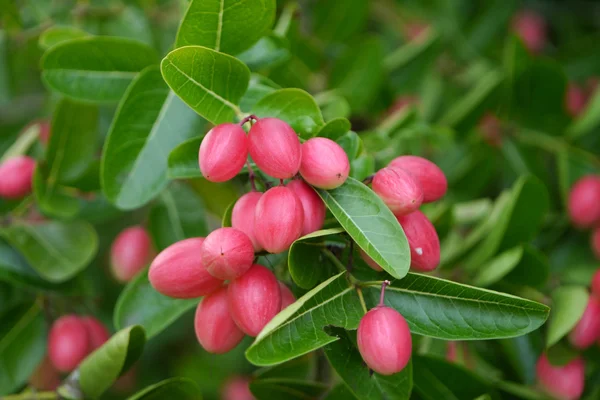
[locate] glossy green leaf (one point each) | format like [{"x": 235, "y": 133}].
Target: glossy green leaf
[
  {"x": 333, "y": 105},
  {"x": 270, "y": 51},
  {"x": 351, "y": 143},
  {"x": 533, "y": 269},
  {"x": 339, "y": 392},
  {"x": 371, "y": 225},
  {"x": 96, "y": 69},
  {"x": 56, "y": 250},
  {"x": 59, "y": 34},
  {"x": 227, "y": 26},
  {"x": 211, "y": 83},
  {"x": 183, "y": 160},
  {"x": 362, "y": 167},
  {"x": 294, "y": 106},
  {"x": 335, "y": 128},
  {"x": 496, "y": 268},
  {"x": 286, "y": 389},
  {"x": 149, "y": 123},
  {"x": 174, "y": 388},
  {"x": 568, "y": 305},
  {"x": 258, "y": 88}
]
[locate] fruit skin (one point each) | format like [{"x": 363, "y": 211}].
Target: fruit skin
[
  {"x": 242, "y": 216},
  {"x": 287, "y": 297},
  {"x": 223, "y": 152},
  {"x": 423, "y": 241},
  {"x": 237, "y": 388},
  {"x": 384, "y": 340},
  {"x": 17, "y": 175},
  {"x": 130, "y": 253},
  {"x": 215, "y": 329},
  {"x": 324, "y": 163},
  {"x": 275, "y": 148},
  {"x": 227, "y": 253},
  {"x": 562, "y": 382},
  {"x": 254, "y": 299},
  {"x": 96, "y": 331},
  {"x": 584, "y": 201},
  {"x": 370, "y": 262},
  {"x": 278, "y": 219},
  {"x": 575, "y": 99},
  {"x": 596, "y": 283},
  {"x": 178, "y": 271},
  {"x": 68, "y": 343},
  {"x": 432, "y": 178},
  {"x": 312, "y": 205},
  {"x": 587, "y": 330},
  {"x": 398, "y": 189},
  {"x": 595, "y": 242},
  {"x": 531, "y": 28}
]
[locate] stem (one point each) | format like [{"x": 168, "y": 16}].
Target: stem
[
  {"x": 384, "y": 284},
  {"x": 283, "y": 25},
  {"x": 334, "y": 260},
  {"x": 251, "y": 176},
  {"x": 281, "y": 182},
  {"x": 368, "y": 180},
  {"x": 31, "y": 396},
  {"x": 362, "y": 299},
  {"x": 248, "y": 118}
]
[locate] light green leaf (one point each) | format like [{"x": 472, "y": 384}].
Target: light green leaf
[
  {"x": 59, "y": 34},
  {"x": 351, "y": 143},
  {"x": 270, "y": 51},
  {"x": 174, "y": 388},
  {"x": 335, "y": 128},
  {"x": 23, "y": 143},
  {"x": 286, "y": 389},
  {"x": 495, "y": 269},
  {"x": 258, "y": 88},
  {"x": 568, "y": 305},
  {"x": 588, "y": 120},
  {"x": 183, "y": 160}
]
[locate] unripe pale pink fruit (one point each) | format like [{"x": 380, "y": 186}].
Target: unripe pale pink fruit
[
  {"x": 587, "y": 330},
  {"x": 215, "y": 329},
  {"x": 595, "y": 242},
  {"x": 584, "y": 201},
  {"x": 242, "y": 216},
  {"x": 596, "y": 284},
  {"x": 575, "y": 99},
  {"x": 223, "y": 152},
  {"x": 17, "y": 175},
  {"x": 423, "y": 241},
  {"x": 254, "y": 299},
  {"x": 287, "y": 297},
  {"x": 237, "y": 388},
  {"x": 68, "y": 343},
  {"x": 178, "y": 271},
  {"x": 432, "y": 178},
  {"x": 324, "y": 163},
  {"x": 227, "y": 253},
  {"x": 275, "y": 148},
  {"x": 278, "y": 219},
  {"x": 96, "y": 331},
  {"x": 370, "y": 262},
  {"x": 45, "y": 376},
  {"x": 312, "y": 205},
  {"x": 131, "y": 252},
  {"x": 531, "y": 28},
  {"x": 561, "y": 382},
  {"x": 398, "y": 189}
]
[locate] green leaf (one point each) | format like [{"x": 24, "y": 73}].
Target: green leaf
[
  {"x": 56, "y": 250},
  {"x": 294, "y": 106},
  {"x": 96, "y": 69},
  {"x": 333, "y": 23},
  {"x": 286, "y": 389},
  {"x": 140, "y": 304},
  {"x": 371, "y": 225},
  {"x": 568, "y": 305},
  {"x": 335, "y": 128},
  {"x": 258, "y": 88},
  {"x": 453, "y": 311},
  {"x": 495, "y": 269},
  {"x": 59, "y": 34},
  {"x": 306, "y": 262},
  {"x": 174, "y": 388},
  {"x": 362, "y": 167},
  {"x": 351, "y": 143},
  {"x": 226, "y": 220},
  {"x": 183, "y": 160},
  {"x": 298, "y": 329},
  {"x": 339, "y": 392},
  {"x": 588, "y": 120},
  {"x": 24, "y": 141},
  {"x": 179, "y": 215},
  {"x": 270, "y": 51},
  {"x": 533, "y": 269},
  {"x": 101, "y": 369},
  {"x": 228, "y": 26},
  {"x": 22, "y": 345},
  {"x": 148, "y": 124},
  {"x": 211, "y": 83}
]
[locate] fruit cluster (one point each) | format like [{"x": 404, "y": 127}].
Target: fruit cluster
[{"x": 584, "y": 208}]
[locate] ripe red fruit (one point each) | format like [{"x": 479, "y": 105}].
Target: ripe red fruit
[
  {"x": 324, "y": 163},
  {"x": 278, "y": 219},
  {"x": 596, "y": 284},
  {"x": 223, "y": 152},
  {"x": 287, "y": 297},
  {"x": 312, "y": 205},
  {"x": 595, "y": 242},
  {"x": 531, "y": 28},
  {"x": 254, "y": 299},
  {"x": 237, "y": 388},
  {"x": 383, "y": 339},
  {"x": 587, "y": 330},
  {"x": 275, "y": 148},
  {"x": 242, "y": 216},
  {"x": 178, "y": 271},
  {"x": 68, "y": 343},
  {"x": 575, "y": 99},
  {"x": 423, "y": 241},
  {"x": 17, "y": 175},
  {"x": 227, "y": 253},
  {"x": 584, "y": 201},
  {"x": 370, "y": 262},
  {"x": 96, "y": 331},
  {"x": 131, "y": 252},
  {"x": 215, "y": 329},
  {"x": 561, "y": 382},
  {"x": 45, "y": 376},
  {"x": 398, "y": 189},
  {"x": 432, "y": 179}
]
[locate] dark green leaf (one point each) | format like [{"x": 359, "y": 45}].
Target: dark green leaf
[
  {"x": 183, "y": 160},
  {"x": 269, "y": 51},
  {"x": 496, "y": 268},
  {"x": 174, "y": 388},
  {"x": 286, "y": 389},
  {"x": 339, "y": 392},
  {"x": 568, "y": 305},
  {"x": 362, "y": 167},
  {"x": 226, "y": 220},
  {"x": 333, "y": 23},
  {"x": 58, "y": 34}
]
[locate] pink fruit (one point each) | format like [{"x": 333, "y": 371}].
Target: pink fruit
[
  {"x": 96, "y": 331},
  {"x": 531, "y": 28},
  {"x": 68, "y": 343},
  {"x": 287, "y": 297},
  {"x": 17, "y": 175},
  {"x": 324, "y": 163},
  {"x": 432, "y": 179},
  {"x": 223, "y": 152},
  {"x": 237, "y": 388},
  {"x": 254, "y": 299},
  {"x": 423, "y": 241},
  {"x": 227, "y": 253},
  {"x": 178, "y": 271},
  {"x": 131, "y": 252},
  {"x": 275, "y": 148},
  {"x": 370, "y": 262},
  {"x": 398, "y": 189},
  {"x": 45, "y": 376},
  {"x": 278, "y": 219},
  {"x": 401, "y": 103},
  {"x": 587, "y": 330},
  {"x": 575, "y": 99},
  {"x": 215, "y": 329},
  {"x": 242, "y": 216},
  {"x": 491, "y": 129},
  {"x": 596, "y": 284},
  {"x": 451, "y": 352},
  {"x": 584, "y": 201},
  {"x": 384, "y": 340},
  {"x": 561, "y": 382},
  {"x": 595, "y": 242},
  {"x": 44, "y": 131},
  {"x": 312, "y": 205}
]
